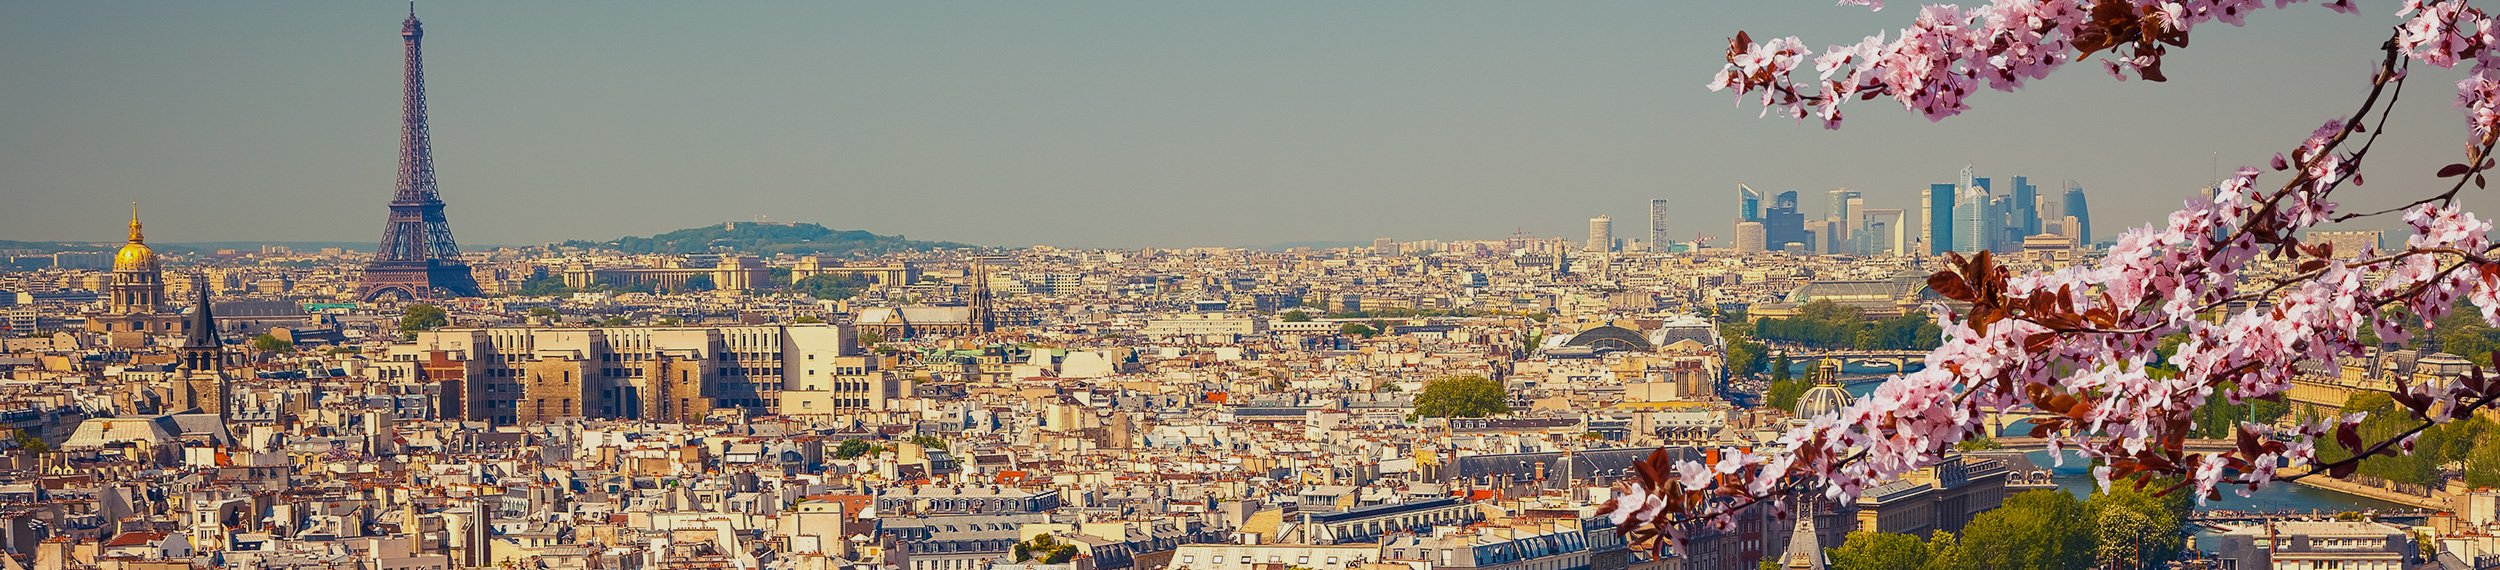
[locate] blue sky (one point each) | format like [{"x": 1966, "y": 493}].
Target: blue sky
[{"x": 1086, "y": 124}]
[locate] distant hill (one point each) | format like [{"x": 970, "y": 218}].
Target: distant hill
[
  {"x": 767, "y": 239},
  {"x": 1313, "y": 245}
]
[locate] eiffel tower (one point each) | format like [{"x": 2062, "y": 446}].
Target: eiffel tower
[{"x": 418, "y": 258}]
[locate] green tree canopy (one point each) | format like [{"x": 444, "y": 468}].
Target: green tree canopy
[
  {"x": 1357, "y": 329},
  {"x": 422, "y": 317},
  {"x": 852, "y": 448},
  {"x": 272, "y": 344},
  {"x": 1462, "y": 396},
  {"x": 1879, "y": 551},
  {"x": 1296, "y": 317},
  {"x": 831, "y": 287},
  {"x": 1044, "y": 549}
]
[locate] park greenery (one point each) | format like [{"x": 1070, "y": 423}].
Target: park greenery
[
  {"x": 830, "y": 287},
  {"x": 268, "y": 343},
  {"x": 2044, "y": 529},
  {"x": 853, "y": 448},
  {"x": 1045, "y": 550},
  {"x": 2470, "y": 443},
  {"x": 1463, "y": 397},
  {"x": 1295, "y": 317},
  {"x": 1828, "y": 325}
]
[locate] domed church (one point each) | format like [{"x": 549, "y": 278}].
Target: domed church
[{"x": 135, "y": 304}]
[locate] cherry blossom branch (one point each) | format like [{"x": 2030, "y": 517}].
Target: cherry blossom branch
[{"x": 2078, "y": 342}]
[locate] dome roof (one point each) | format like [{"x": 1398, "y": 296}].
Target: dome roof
[
  {"x": 1823, "y": 399},
  {"x": 136, "y": 256},
  {"x": 1826, "y": 397}
]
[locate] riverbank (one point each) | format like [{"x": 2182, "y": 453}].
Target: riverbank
[{"x": 2438, "y": 500}]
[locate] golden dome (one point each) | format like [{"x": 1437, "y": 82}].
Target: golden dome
[{"x": 136, "y": 256}]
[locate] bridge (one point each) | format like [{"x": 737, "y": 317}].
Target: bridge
[
  {"x": 2025, "y": 443},
  {"x": 1877, "y": 361},
  {"x": 2220, "y": 516}
]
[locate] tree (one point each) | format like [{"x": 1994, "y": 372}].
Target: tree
[
  {"x": 928, "y": 441},
  {"x": 852, "y": 448},
  {"x": 808, "y": 319},
  {"x": 1879, "y": 551},
  {"x": 669, "y": 322},
  {"x": 1463, "y": 397},
  {"x": 1296, "y": 317},
  {"x": 2134, "y": 529},
  {"x": 615, "y": 321},
  {"x": 1783, "y": 395},
  {"x": 831, "y": 287},
  {"x": 870, "y": 338},
  {"x": 269, "y": 343},
  {"x": 1044, "y": 549},
  {"x": 1357, "y": 329},
  {"x": 697, "y": 283},
  {"x": 26, "y": 440},
  {"x": 544, "y": 312},
  {"x": 2072, "y": 342},
  {"x": 2038, "y": 529},
  {"x": 422, "y": 317}
]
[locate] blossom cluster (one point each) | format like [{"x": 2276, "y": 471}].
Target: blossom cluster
[{"x": 2081, "y": 342}]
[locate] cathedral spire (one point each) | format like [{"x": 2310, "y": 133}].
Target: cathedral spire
[{"x": 134, "y": 224}]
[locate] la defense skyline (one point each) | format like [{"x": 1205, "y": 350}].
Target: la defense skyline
[{"x": 1967, "y": 215}]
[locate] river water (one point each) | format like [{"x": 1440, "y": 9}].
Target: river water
[{"x": 2076, "y": 477}]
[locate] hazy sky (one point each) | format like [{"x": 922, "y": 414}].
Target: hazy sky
[{"x": 1087, "y": 124}]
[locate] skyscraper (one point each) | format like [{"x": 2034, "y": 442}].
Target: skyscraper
[
  {"x": 1936, "y": 218},
  {"x": 1601, "y": 234},
  {"x": 1841, "y": 216},
  {"x": 2026, "y": 208},
  {"x": 1782, "y": 224},
  {"x": 1748, "y": 204},
  {"x": 1971, "y": 216},
  {"x": 2083, "y": 214},
  {"x": 1749, "y": 237},
  {"x": 1658, "y": 237}
]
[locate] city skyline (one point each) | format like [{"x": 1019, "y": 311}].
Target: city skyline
[{"x": 550, "y": 110}]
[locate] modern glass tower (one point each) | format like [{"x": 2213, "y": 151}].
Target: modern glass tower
[
  {"x": 1936, "y": 218},
  {"x": 1748, "y": 204},
  {"x": 2076, "y": 207}
]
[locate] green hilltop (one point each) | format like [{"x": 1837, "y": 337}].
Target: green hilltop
[{"x": 767, "y": 238}]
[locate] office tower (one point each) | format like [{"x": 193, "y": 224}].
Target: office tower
[
  {"x": 2076, "y": 207},
  {"x": 1658, "y": 237},
  {"x": 1384, "y": 246},
  {"x": 2026, "y": 207},
  {"x": 418, "y": 258},
  {"x": 1881, "y": 231},
  {"x": 1840, "y": 216},
  {"x": 1970, "y": 215},
  {"x": 1782, "y": 224},
  {"x": 1935, "y": 218},
  {"x": 1748, "y": 204},
  {"x": 1601, "y": 234},
  {"x": 1749, "y": 237}
]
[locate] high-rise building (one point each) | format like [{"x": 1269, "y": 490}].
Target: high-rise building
[
  {"x": 1384, "y": 246},
  {"x": 1782, "y": 224},
  {"x": 1749, "y": 237},
  {"x": 2026, "y": 207},
  {"x": 1658, "y": 237},
  {"x": 1837, "y": 211},
  {"x": 2075, "y": 206},
  {"x": 1935, "y": 218},
  {"x": 1748, "y": 204},
  {"x": 1601, "y": 234},
  {"x": 1971, "y": 230}
]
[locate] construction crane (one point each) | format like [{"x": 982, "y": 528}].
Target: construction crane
[{"x": 1702, "y": 241}]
